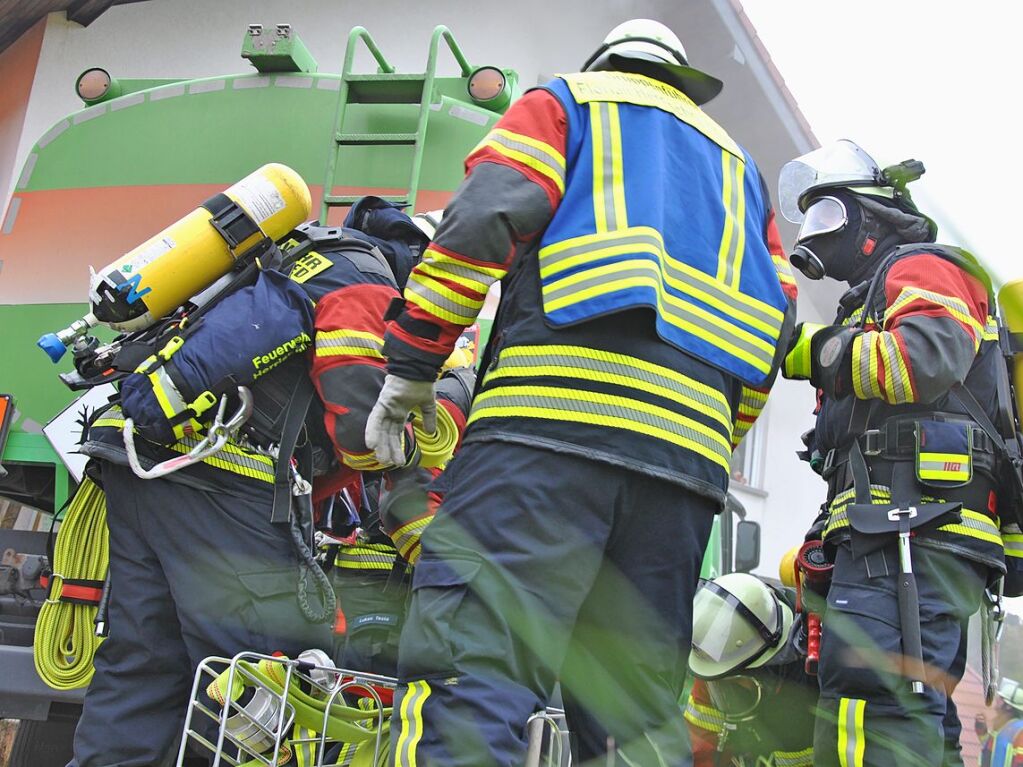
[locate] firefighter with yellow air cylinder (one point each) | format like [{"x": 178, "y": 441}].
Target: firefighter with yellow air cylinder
[
  {"x": 208, "y": 454},
  {"x": 916, "y": 437}
]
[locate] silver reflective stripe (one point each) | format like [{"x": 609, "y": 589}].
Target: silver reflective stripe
[
  {"x": 333, "y": 342},
  {"x": 463, "y": 312},
  {"x": 802, "y": 758},
  {"x": 529, "y": 150},
  {"x": 867, "y": 384},
  {"x": 892, "y": 357},
  {"x": 606, "y": 163},
  {"x": 708, "y": 327},
  {"x": 1013, "y": 545},
  {"x": 567, "y": 362},
  {"x": 734, "y": 211},
  {"x": 227, "y": 455},
  {"x": 551, "y": 263},
  {"x": 609, "y": 411}
]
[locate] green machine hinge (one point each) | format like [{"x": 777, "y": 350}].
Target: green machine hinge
[{"x": 277, "y": 50}]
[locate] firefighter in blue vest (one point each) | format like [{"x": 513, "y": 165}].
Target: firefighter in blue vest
[
  {"x": 644, "y": 300},
  {"x": 1002, "y": 742},
  {"x": 917, "y": 519}
]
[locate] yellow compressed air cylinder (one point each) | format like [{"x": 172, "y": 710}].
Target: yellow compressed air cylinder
[
  {"x": 1010, "y": 302},
  {"x": 162, "y": 273}
]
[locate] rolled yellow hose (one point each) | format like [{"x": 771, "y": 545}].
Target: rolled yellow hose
[
  {"x": 436, "y": 449},
  {"x": 65, "y": 639}
]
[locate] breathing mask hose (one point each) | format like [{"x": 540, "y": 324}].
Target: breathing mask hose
[{"x": 65, "y": 636}]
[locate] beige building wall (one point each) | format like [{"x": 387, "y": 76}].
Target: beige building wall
[{"x": 199, "y": 38}]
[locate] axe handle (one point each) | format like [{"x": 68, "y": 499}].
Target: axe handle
[{"x": 909, "y": 618}]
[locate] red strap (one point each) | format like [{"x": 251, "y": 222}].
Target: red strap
[{"x": 78, "y": 591}]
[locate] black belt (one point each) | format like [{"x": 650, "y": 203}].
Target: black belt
[{"x": 896, "y": 440}]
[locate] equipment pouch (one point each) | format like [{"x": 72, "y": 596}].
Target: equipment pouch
[
  {"x": 246, "y": 335},
  {"x": 944, "y": 453}
]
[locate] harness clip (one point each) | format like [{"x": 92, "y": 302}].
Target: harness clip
[{"x": 896, "y": 515}]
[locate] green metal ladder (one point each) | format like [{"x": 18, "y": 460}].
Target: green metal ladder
[{"x": 386, "y": 86}]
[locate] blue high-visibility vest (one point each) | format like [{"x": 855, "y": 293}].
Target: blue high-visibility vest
[{"x": 661, "y": 209}]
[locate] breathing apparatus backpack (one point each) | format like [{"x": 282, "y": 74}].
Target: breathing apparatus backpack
[
  {"x": 1005, "y": 431},
  {"x": 253, "y": 331}
]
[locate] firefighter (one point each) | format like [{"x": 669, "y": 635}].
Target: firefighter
[
  {"x": 1002, "y": 743},
  {"x": 198, "y": 566},
  {"x": 906, "y": 378},
  {"x": 643, "y": 299},
  {"x": 752, "y": 701}
]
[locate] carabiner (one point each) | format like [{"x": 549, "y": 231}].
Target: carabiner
[{"x": 217, "y": 436}]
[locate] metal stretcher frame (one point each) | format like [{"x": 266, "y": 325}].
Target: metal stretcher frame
[{"x": 249, "y": 738}]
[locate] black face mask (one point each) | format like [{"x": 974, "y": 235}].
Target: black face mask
[{"x": 851, "y": 253}]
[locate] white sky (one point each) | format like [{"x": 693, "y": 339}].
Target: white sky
[
  {"x": 935, "y": 80},
  {"x": 939, "y": 81}
]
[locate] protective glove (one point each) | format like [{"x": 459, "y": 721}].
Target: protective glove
[
  {"x": 798, "y": 360},
  {"x": 386, "y": 423}
]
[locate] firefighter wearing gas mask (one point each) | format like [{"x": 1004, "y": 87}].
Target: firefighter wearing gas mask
[{"x": 906, "y": 378}]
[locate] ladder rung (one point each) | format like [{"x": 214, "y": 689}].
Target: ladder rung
[
  {"x": 350, "y": 139},
  {"x": 334, "y": 200},
  {"x": 385, "y": 89}
]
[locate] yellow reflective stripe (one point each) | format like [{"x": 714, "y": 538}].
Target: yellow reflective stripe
[
  {"x": 564, "y": 255},
  {"x": 411, "y": 723},
  {"x": 355, "y": 343},
  {"x": 625, "y": 87},
  {"x": 784, "y": 269},
  {"x": 406, "y": 536},
  {"x": 802, "y": 758},
  {"x": 956, "y": 307},
  {"x": 527, "y": 150},
  {"x": 525, "y": 155},
  {"x": 478, "y": 279},
  {"x": 578, "y": 362},
  {"x": 733, "y": 238},
  {"x": 599, "y": 173},
  {"x": 973, "y": 525},
  {"x": 550, "y": 154},
  {"x": 704, "y": 717},
  {"x": 614, "y": 139},
  {"x": 1013, "y": 543},
  {"x": 905, "y": 384},
  {"x": 631, "y": 273},
  {"x": 894, "y": 389},
  {"x": 751, "y": 403},
  {"x": 572, "y": 405},
  {"x": 365, "y": 557},
  {"x": 947, "y": 466},
  {"x": 860, "y": 369},
  {"x": 608, "y": 177},
  {"x": 990, "y": 332},
  {"x": 851, "y": 740},
  {"x": 231, "y": 458},
  {"x": 303, "y": 743}
]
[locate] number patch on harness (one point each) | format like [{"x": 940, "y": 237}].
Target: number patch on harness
[{"x": 311, "y": 264}]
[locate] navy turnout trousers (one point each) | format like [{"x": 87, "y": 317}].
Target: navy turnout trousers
[
  {"x": 868, "y": 715},
  {"x": 193, "y": 574},
  {"x": 543, "y": 567}
]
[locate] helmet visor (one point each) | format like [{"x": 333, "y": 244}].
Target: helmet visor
[
  {"x": 825, "y": 215},
  {"x": 840, "y": 164},
  {"x": 726, "y": 635}
]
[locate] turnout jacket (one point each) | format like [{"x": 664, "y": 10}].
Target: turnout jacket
[
  {"x": 643, "y": 289},
  {"x": 929, "y": 329}
]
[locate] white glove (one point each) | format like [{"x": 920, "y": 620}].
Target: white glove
[{"x": 385, "y": 426}]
